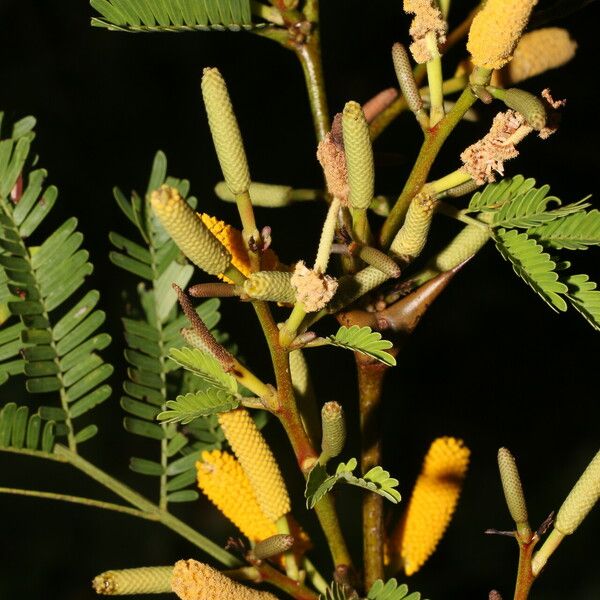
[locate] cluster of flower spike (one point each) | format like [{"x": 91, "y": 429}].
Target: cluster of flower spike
[{"x": 431, "y": 506}]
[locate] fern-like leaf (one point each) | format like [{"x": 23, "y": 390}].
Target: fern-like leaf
[
  {"x": 57, "y": 346},
  {"x": 585, "y": 298},
  {"x": 205, "y": 366},
  {"x": 189, "y": 407},
  {"x": 390, "y": 590},
  {"x": 572, "y": 232},
  {"x": 533, "y": 265},
  {"x": 173, "y": 15},
  {"x": 153, "y": 378},
  {"x": 495, "y": 195},
  {"x": 365, "y": 341},
  {"x": 21, "y": 431},
  {"x": 377, "y": 480},
  {"x": 336, "y": 591}
]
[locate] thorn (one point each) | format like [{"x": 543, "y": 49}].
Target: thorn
[
  {"x": 498, "y": 532},
  {"x": 547, "y": 523}
]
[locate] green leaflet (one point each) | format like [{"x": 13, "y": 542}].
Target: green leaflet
[
  {"x": 21, "y": 431},
  {"x": 183, "y": 15},
  {"x": 390, "y": 590},
  {"x": 152, "y": 377},
  {"x": 365, "y": 341},
  {"x": 335, "y": 591},
  {"x": 56, "y": 354},
  {"x": 533, "y": 265},
  {"x": 377, "y": 480},
  {"x": 205, "y": 366},
  {"x": 572, "y": 232},
  {"x": 585, "y": 298},
  {"x": 189, "y": 407}
]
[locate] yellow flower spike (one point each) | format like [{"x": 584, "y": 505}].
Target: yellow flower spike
[
  {"x": 411, "y": 239},
  {"x": 496, "y": 30},
  {"x": 225, "y": 132},
  {"x": 223, "y": 481},
  {"x": 537, "y": 52},
  {"x": 146, "y": 580},
  {"x": 188, "y": 231},
  {"x": 433, "y": 501},
  {"x": 258, "y": 462},
  {"x": 193, "y": 580}
]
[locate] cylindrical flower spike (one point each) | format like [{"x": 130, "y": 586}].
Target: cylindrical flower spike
[
  {"x": 193, "y": 580},
  {"x": 334, "y": 430},
  {"x": 261, "y": 194},
  {"x": 496, "y": 30},
  {"x": 530, "y": 106},
  {"x": 359, "y": 156},
  {"x": 188, "y": 231},
  {"x": 427, "y": 23},
  {"x": 432, "y": 503},
  {"x": 225, "y": 132},
  {"x": 376, "y": 258},
  {"x": 468, "y": 242},
  {"x": 272, "y": 286},
  {"x": 580, "y": 500},
  {"x": 537, "y": 52},
  {"x": 272, "y": 546},
  {"x": 513, "y": 491},
  {"x": 352, "y": 287},
  {"x": 257, "y": 461},
  {"x": 146, "y": 580},
  {"x": 224, "y": 482},
  {"x": 407, "y": 82},
  {"x": 411, "y": 239}
]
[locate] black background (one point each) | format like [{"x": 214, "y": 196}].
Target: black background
[{"x": 489, "y": 363}]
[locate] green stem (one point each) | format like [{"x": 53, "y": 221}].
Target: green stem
[
  {"x": 433, "y": 143},
  {"x": 35, "y": 453},
  {"x": 314, "y": 576},
  {"x": 144, "y": 505},
  {"x": 79, "y": 500},
  {"x": 309, "y": 54},
  {"x": 435, "y": 79},
  {"x": 268, "y": 13},
  {"x": 290, "y": 418}
]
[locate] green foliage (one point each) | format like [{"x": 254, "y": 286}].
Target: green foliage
[
  {"x": 585, "y": 298},
  {"x": 338, "y": 592},
  {"x": 376, "y": 480},
  {"x": 572, "y": 232},
  {"x": 206, "y": 367},
  {"x": 390, "y": 590},
  {"x": 173, "y": 15},
  {"x": 365, "y": 341},
  {"x": 199, "y": 404},
  {"x": 152, "y": 377},
  {"x": 20, "y": 430},
  {"x": 52, "y": 340}
]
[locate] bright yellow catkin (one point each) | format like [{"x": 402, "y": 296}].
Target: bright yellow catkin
[
  {"x": 147, "y": 580},
  {"x": 223, "y": 481},
  {"x": 537, "y": 52},
  {"x": 193, "y": 580},
  {"x": 433, "y": 501},
  {"x": 411, "y": 239},
  {"x": 272, "y": 286},
  {"x": 580, "y": 500},
  {"x": 359, "y": 156},
  {"x": 258, "y": 462},
  {"x": 496, "y": 30},
  {"x": 225, "y": 132},
  {"x": 513, "y": 489},
  {"x": 188, "y": 231}
]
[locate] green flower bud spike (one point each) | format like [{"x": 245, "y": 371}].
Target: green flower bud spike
[
  {"x": 376, "y": 258},
  {"x": 269, "y": 195},
  {"x": 530, "y": 106},
  {"x": 272, "y": 286},
  {"x": 408, "y": 85},
  {"x": 411, "y": 239},
  {"x": 147, "y": 580},
  {"x": 272, "y": 546},
  {"x": 334, "y": 431},
  {"x": 513, "y": 492},
  {"x": 580, "y": 501},
  {"x": 359, "y": 163},
  {"x": 190, "y": 234}
]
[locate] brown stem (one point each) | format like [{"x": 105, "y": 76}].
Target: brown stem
[
  {"x": 279, "y": 580},
  {"x": 290, "y": 418},
  {"x": 525, "y": 577},
  {"x": 370, "y": 384}
]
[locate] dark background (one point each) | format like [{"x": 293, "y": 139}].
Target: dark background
[{"x": 489, "y": 363}]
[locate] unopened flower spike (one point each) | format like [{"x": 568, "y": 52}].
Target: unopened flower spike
[
  {"x": 411, "y": 239},
  {"x": 258, "y": 462},
  {"x": 224, "y": 482},
  {"x": 145, "y": 580},
  {"x": 431, "y": 506},
  {"x": 496, "y": 30},
  {"x": 526, "y": 104},
  {"x": 334, "y": 431},
  {"x": 408, "y": 85},
  {"x": 193, "y": 580},
  {"x": 332, "y": 158},
  {"x": 189, "y": 233},
  {"x": 468, "y": 242},
  {"x": 513, "y": 492},
  {"x": 272, "y": 286},
  {"x": 376, "y": 258},
  {"x": 273, "y": 546}
]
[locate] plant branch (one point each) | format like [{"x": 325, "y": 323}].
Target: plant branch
[
  {"x": 525, "y": 576},
  {"x": 79, "y": 500}
]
